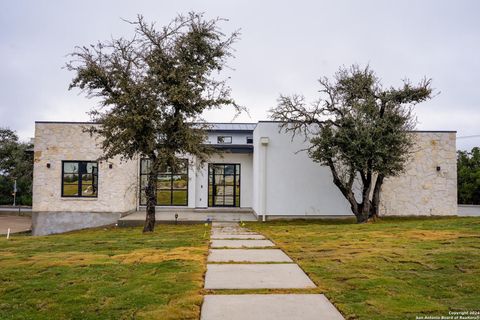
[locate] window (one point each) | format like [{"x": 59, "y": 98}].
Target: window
[
  {"x": 249, "y": 140},
  {"x": 79, "y": 179},
  {"x": 172, "y": 187},
  {"x": 224, "y": 139}
]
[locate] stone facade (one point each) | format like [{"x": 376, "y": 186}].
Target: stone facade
[
  {"x": 55, "y": 142},
  {"x": 429, "y": 184}
]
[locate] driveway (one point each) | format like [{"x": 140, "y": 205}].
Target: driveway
[{"x": 15, "y": 223}]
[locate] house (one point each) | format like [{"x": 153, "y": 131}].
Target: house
[{"x": 259, "y": 169}]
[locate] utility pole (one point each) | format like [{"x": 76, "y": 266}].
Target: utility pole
[{"x": 14, "y": 191}]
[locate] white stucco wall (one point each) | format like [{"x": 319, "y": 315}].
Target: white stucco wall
[
  {"x": 54, "y": 142},
  {"x": 295, "y": 185}
]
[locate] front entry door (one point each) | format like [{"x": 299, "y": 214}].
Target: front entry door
[{"x": 223, "y": 185}]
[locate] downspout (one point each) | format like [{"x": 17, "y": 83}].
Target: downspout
[{"x": 264, "y": 142}]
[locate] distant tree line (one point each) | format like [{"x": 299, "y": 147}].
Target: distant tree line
[
  {"x": 16, "y": 163},
  {"x": 468, "y": 175}
]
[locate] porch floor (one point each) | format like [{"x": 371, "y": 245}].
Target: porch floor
[{"x": 167, "y": 215}]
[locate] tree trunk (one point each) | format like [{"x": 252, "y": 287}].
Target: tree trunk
[
  {"x": 151, "y": 195},
  {"x": 376, "y": 198}
]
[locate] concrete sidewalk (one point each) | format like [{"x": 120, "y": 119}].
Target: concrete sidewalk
[{"x": 244, "y": 271}]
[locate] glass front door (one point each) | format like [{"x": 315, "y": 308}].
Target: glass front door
[{"x": 223, "y": 185}]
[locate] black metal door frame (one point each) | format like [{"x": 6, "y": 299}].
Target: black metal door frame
[{"x": 236, "y": 176}]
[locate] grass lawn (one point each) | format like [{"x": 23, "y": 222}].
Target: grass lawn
[
  {"x": 104, "y": 274},
  {"x": 393, "y": 269}
]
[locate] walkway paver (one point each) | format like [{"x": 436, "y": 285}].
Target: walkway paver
[
  {"x": 256, "y": 276},
  {"x": 241, "y": 243},
  {"x": 244, "y": 271},
  {"x": 221, "y": 236},
  {"x": 269, "y": 307},
  {"x": 248, "y": 255}
]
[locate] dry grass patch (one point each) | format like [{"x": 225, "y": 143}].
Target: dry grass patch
[
  {"x": 158, "y": 255},
  {"x": 104, "y": 274}
]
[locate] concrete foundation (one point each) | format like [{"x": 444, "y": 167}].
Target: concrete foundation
[{"x": 44, "y": 223}]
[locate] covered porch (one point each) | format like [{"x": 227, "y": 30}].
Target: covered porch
[{"x": 189, "y": 215}]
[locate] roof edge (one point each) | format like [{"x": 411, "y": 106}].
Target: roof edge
[{"x": 419, "y": 131}]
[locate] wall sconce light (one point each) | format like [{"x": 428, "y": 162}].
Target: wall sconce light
[
  {"x": 438, "y": 168},
  {"x": 110, "y": 165},
  {"x": 48, "y": 165}
]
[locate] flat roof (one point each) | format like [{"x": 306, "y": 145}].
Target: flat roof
[
  {"x": 419, "y": 131},
  {"x": 235, "y": 126}
]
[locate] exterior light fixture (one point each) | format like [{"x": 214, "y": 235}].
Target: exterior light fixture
[
  {"x": 110, "y": 165},
  {"x": 438, "y": 168},
  {"x": 48, "y": 165}
]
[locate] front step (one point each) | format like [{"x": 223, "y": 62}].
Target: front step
[{"x": 167, "y": 216}]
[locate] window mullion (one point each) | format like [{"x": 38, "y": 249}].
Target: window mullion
[{"x": 79, "y": 179}]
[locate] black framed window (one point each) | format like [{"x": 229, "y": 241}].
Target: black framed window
[
  {"x": 172, "y": 186},
  {"x": 224, "y": 139},
  {"x": 80, "y": 179}
]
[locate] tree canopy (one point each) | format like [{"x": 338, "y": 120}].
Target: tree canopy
[
  {"x": 357, "y": 128},
  {"x": 16, "y": 163},
  {"x": 468, "y": 175},
  {"x": 153, "y": 89}
]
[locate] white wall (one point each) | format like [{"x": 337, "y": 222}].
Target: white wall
[
  {"x": 246, "y": 178},
  {"x": 295, "y": 185}
]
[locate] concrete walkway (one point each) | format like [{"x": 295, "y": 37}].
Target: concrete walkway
[{"x": 247, "y": 260}]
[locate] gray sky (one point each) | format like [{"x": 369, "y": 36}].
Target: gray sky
[{"x": 285, "y": 47}]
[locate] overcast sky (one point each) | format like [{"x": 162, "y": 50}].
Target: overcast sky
[{"x": 285, "y": 47}]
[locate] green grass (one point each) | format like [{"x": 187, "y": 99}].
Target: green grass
[
  {"x": 104, "y": 274},
  {"x": 396, "y": 268}
]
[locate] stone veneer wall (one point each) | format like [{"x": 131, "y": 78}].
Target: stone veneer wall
[
  {"x": 422, "y": 190},
  {"x": 55, "y": 142}
]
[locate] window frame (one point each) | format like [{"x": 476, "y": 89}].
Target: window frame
[
  {"x": 222, "y": 138},
  {"x": 80, "y": 179},
  {"x": 171, "y": 189}
]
